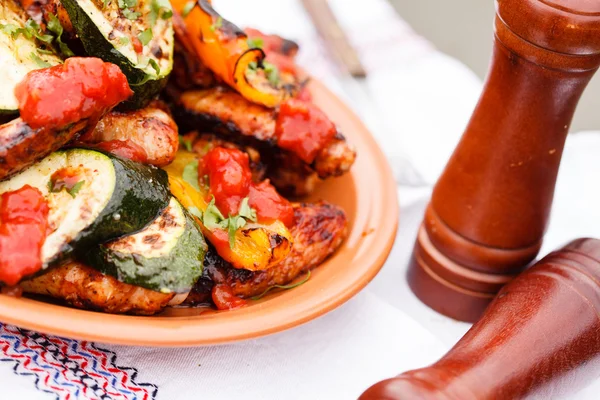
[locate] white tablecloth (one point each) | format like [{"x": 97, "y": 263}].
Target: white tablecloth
[{"x": 417, "y": 102}]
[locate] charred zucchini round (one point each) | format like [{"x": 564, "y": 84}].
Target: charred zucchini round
[
  {"x": 136, "y": 35},
  {"x": 93, "y": 198},
  {"x": 167, "y": 256}
]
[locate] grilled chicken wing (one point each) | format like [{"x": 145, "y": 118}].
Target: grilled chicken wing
[
  {"x": 318, "y": 231},
  {"x": 228, "y": 113},
  {"x": 151, "y": 128},
  {"x": 21, "y": 146},
  {"x": 85, "y": 287}
]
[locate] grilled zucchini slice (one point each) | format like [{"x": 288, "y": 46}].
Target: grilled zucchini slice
[
  {"x": 109, "y": 197},
  {"x": 136, "y": 35},
  {"x": 19, "y": 53},
  {"x": 166, "y": 256}
]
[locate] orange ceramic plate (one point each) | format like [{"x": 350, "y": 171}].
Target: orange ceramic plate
[{"x": 368, "y": 194}]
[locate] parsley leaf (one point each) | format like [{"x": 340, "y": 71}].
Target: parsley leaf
[
  {"x": 11, "y": 29},
  {"x": 54, "y": 188},
  {"x": 154, "y": 65},
  {"x": 187, "y": 9},
  {"x": 127, "y": 3},
  {"x": 285, "y": 287},
  {"x": 146, "y": 36},
  {"x": 213, "y": 218},
  {"x": 233, "y": 224},
  {"x": 272, "y": 73},
  {"x": 40, "y": 63},
  {"x": 256, "y": 43},
  {"x": 55, "y": 27},
  {"x": 131, "y": 15},
  {"x": 217, "y": 25},
  {"x": 32, "y": 29},
  {"x": 195, "y": 211},
  {"x": 246, "y": 211},
  {"x": 187, "y": 143},
  {"x": 190, "y": 174},
  {"x": 76, "y": 188},
  {"x": 160, "y": 8}
]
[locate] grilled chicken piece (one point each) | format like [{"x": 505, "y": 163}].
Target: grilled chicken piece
[
  {"x": 318, "y": 232},
  {"x": 84, "y": 287},
  {"x": 21, "y": 146},
  {"x": 151, "y": 128},
  {"x": 228, "y": 113}
]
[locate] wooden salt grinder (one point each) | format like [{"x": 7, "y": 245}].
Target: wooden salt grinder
[
  {"x": 490, "y": 207},
  {"x": 540, "y": 337}
]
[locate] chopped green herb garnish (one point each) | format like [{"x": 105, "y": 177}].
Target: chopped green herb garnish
[
  {"x": 44, "y": 51},
  {"x": 190, "y": 174},
  {"x": 127, "y": 3},
  {"x": 131, "y": 15},
  {"x": 154, "y": 65},
  {"x": 146, "y": 36},
  {"x": 285, "y": 287},
  {"x": 106, "y": 3},
  {"x": 217, "y": 25},
  {"x": 272, "y": 73},
  {"x": 195, "y": 211},
  {"x": 187, "y": 9},
  {"x": 256, "y": 43},
  {"x": 55, "y": 27},
  {"x": 76, "y": 188},
  {"x": 34, "y": 30},
  {"x": 41, "y": 63},
  {"x": 187, "y": 143},
  {"x": 11, "y": 29},
  {"x": 53, "y": 188},
  {"x": 124, "y": 40},
  {"x": 160, "y": 8},
  {"x": 246, "y": 211},
  {"x": 212, "y": 217}
]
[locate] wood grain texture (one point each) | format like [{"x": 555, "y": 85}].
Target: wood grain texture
[
  {"x": 539, "y": 337},
  {"x": 490, "y": 207},
  {"x": 332, "y": 33}
]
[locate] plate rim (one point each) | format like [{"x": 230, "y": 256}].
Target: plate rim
[{"x": 30, "y": 314}]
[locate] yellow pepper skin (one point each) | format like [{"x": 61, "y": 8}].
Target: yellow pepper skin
[
  {"x": 257, "y": 246},
  {"x": 223, "y": 48}
]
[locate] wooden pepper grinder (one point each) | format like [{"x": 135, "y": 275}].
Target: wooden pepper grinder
[
  {"x": 540, "y": 337},
  {"x": 490, "y": 207}
]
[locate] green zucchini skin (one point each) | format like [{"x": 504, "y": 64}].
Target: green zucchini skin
[
  {"x": 144, "y": 86},
  {"x": 176, "y": 271},
  {"x": 136, "y": 196},
  {"x": 141, "y": 194}
]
